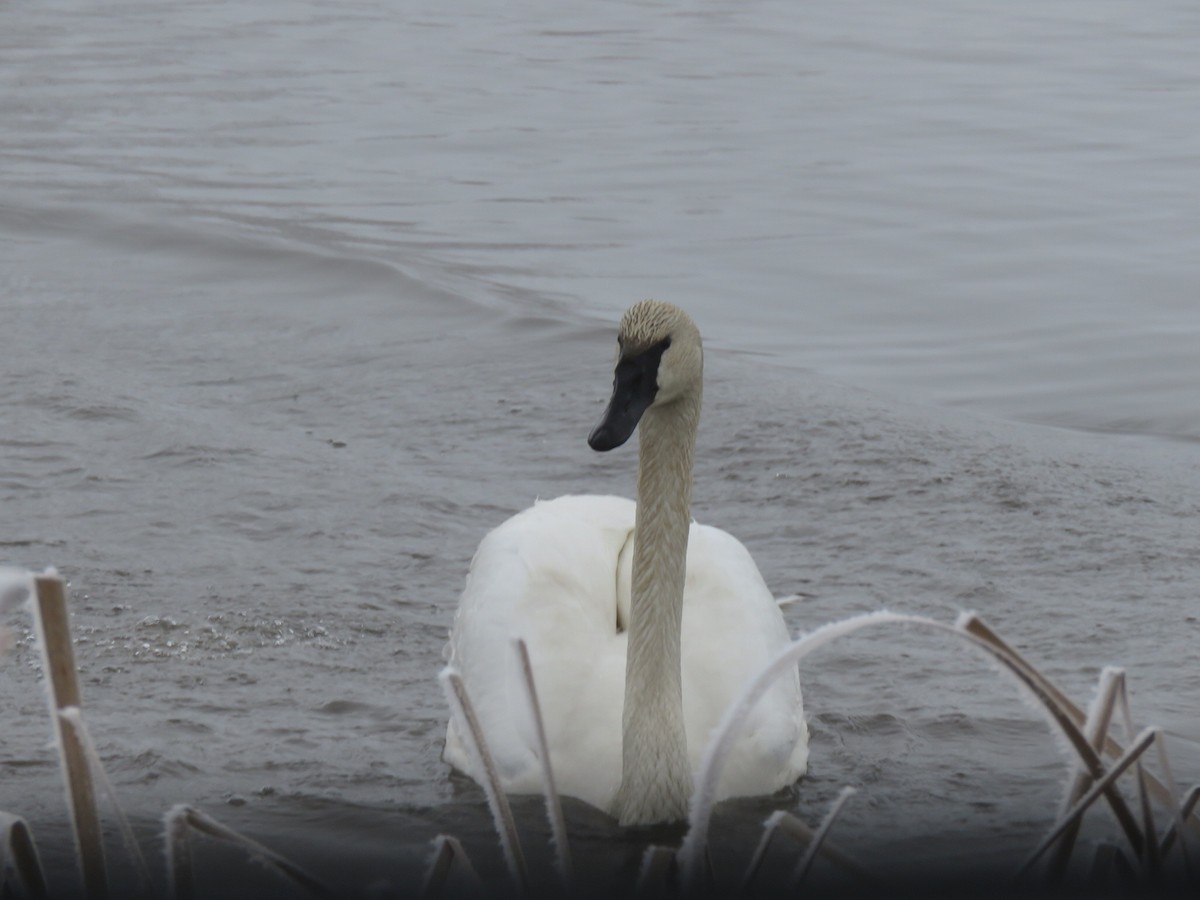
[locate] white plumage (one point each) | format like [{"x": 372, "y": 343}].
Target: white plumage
[
  {"x": 642, "y": 626},
  {"x": 558, "y": 575}
]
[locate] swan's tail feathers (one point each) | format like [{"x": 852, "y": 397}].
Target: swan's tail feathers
[
  {"x": 471, "y": 733},
  {"x": 558, "y": 825}
]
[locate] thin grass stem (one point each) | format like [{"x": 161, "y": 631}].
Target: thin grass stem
[
  {"x": 506, "y": 827},
  {"x": 554, "y": 813}
]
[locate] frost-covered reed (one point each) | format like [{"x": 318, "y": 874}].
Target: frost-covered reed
[
  {"x": 687, "y": 869},
  {"x": 182, "y": 821},
  {"x": 19, "y": 860},
  {"x": 62, "y": 682},
  {"x": 1101, "y": 760},
  {"x": 21, "y": 872}
]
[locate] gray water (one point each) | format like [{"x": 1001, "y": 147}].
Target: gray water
[{"x": 298, "y": 300}]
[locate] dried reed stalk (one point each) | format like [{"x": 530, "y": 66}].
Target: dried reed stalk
[
  {"x": 1150, "y": 855},
  {"x": 72, "y": 720},
  {"x": 1107, "y": 862},
  {"x": 448, "y": 854},
  {"x": 1185, "y": 808},
  {"x": 818, "y": 839},
  {"x": 180, "y": 879},
  {"x": 1095, "y": 729},
  {"x": 656, "y": 873},
  {"x": 182, "y": 820},
  {"x": 1066, "y": 714},
  {"x": 1178, "y": 812},
  {"x": 1137, "y": 748},
  {"x": 1111, "y": 748},
  {"x": 18, "y": 854},
  {"x": 58, "y": 659},
  {"x": 472, "y": 733},
  {"x": 780, "y": 822},
  {"x": 554, "y": 813}
]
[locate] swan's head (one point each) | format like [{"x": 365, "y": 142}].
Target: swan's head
[{"x": 659, "y": 361}]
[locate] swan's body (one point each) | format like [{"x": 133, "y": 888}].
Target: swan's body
[{"x": 583, "y": 579}]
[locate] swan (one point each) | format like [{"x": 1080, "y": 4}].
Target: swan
[{"x": 642, "y": 626}]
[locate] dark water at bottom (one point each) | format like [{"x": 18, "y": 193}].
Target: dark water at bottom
[{"x": 263, "y": 473}]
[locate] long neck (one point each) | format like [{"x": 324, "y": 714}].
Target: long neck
[{"x": 656, "y": 779}]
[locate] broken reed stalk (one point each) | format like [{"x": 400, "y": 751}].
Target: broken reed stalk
[
  {"x": 1095, "y": 729},
  {"x": 181, "y": 820},
  {"x": 72, "y": 719},
  {"x": 1190, "y": 799},
  {"x": 815, "y": 844},
  {"x": 1150, "y": 856},
  {"x": 1065, "y": 713},
  {"x": 1136, "y": 749},
  {"x": 178, "y": 848},
  {"x": 472, "y": 733},
  {"x": 58, "y": 659},
  {"x": 447, "y": 853},
  {"x": 1112, "y": 748},
  {"x": 1108, "y": 862},
  {"x": 655, "y": 874},
  {"x": 1178, "y": 812},
  {"x": 780, "y": 822},
  {"x": 776, "y": 821},
  {"x": 558, "y": 825},
  {"x": 18, "y": 853}
]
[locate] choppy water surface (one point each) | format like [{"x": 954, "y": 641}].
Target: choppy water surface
[{"x": 299, "y": 300}]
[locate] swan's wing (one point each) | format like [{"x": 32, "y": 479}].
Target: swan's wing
[
  {"x": 732, "y": 626},
  {"x": 548, "y": 575}
]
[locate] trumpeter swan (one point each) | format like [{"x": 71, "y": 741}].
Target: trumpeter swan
[{"x": 641, "y": 627}]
